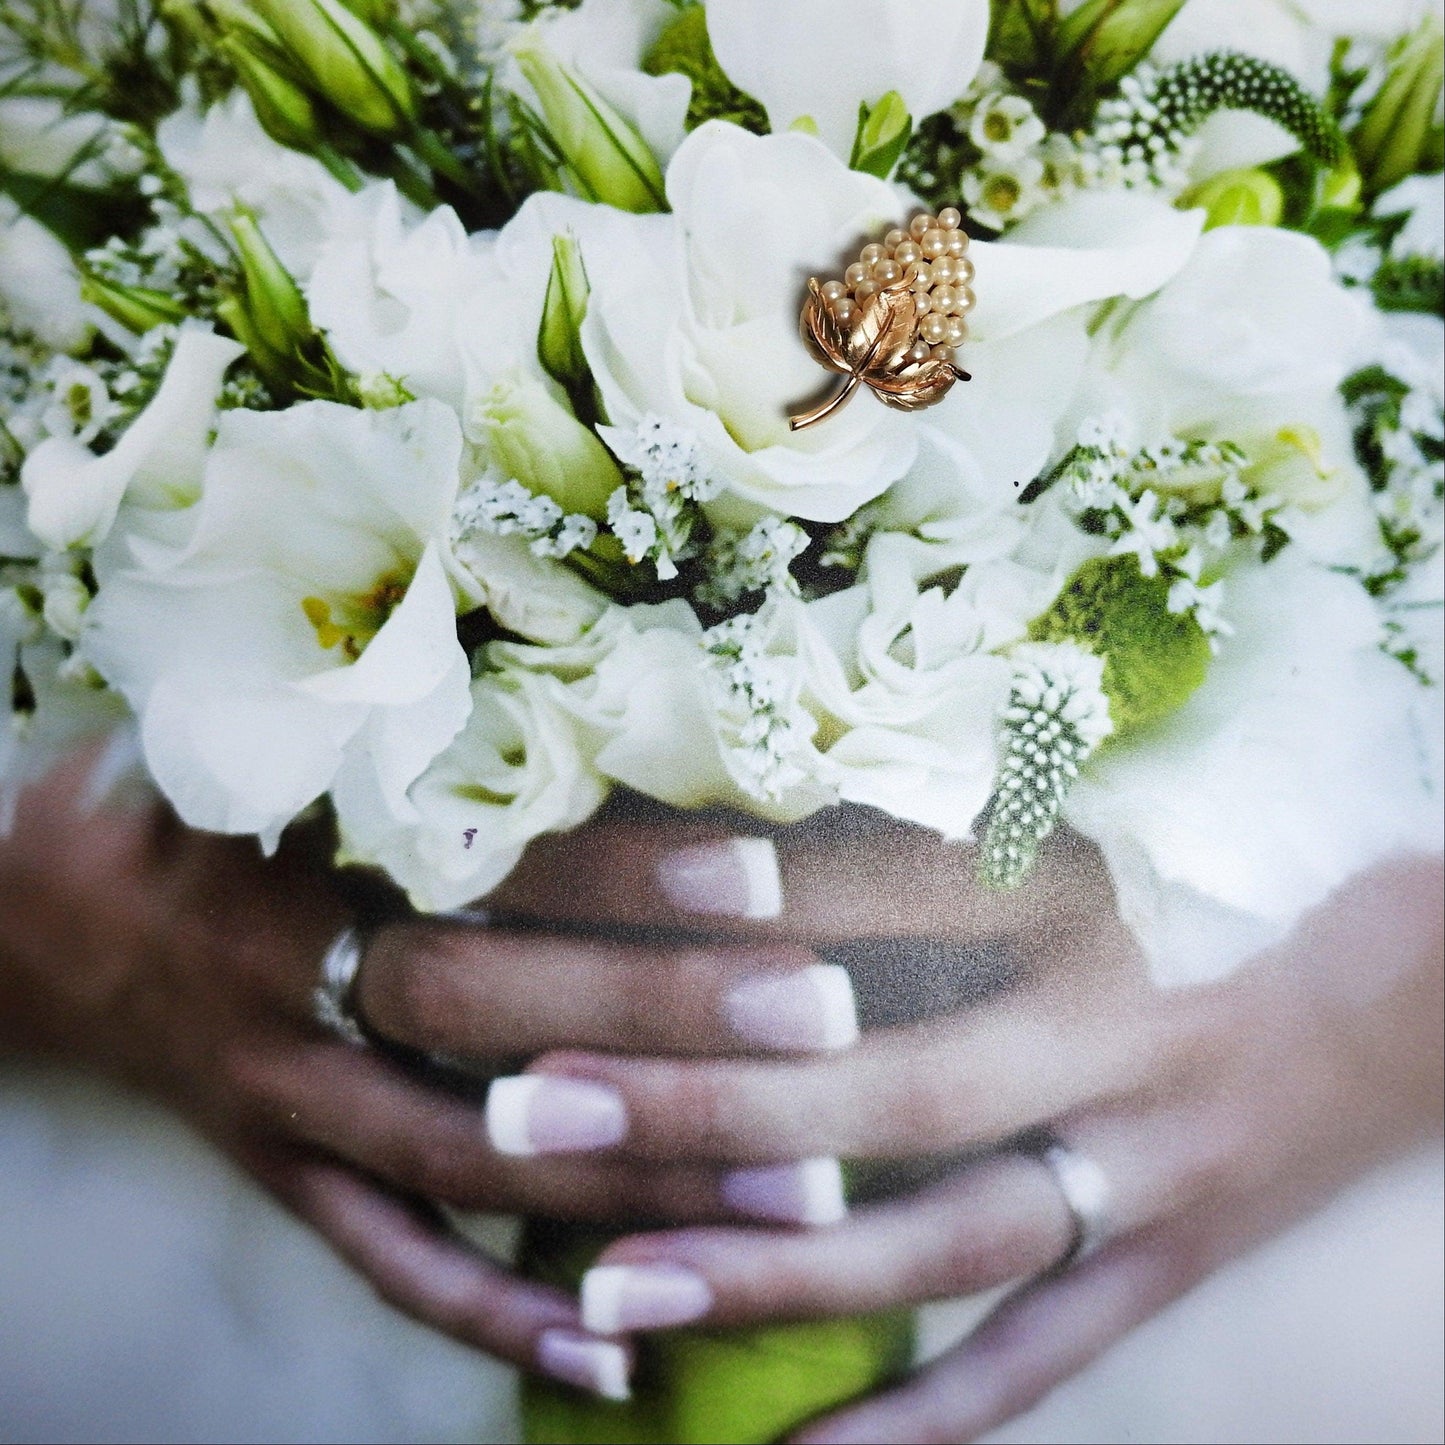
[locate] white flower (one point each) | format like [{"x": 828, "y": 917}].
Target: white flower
[
  {"x": 516, "y": 770},
  {"x": 75, "y": 495},
  {"x": 39, "y": 286},
  {"x": 225, "y": 158},
  {"x": 815, "y": 61},
  {"x": 1294, "y": 767},
  {"x": 1003, "y": 125},
  {"x": 304, "y": 638},
  {"x": 81, "y": 406},
  {"x": 1004, "y": 188},
  {"x": 1421, "y": 199}
]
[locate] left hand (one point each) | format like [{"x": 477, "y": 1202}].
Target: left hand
[{"x": 1218, "y": 1114}]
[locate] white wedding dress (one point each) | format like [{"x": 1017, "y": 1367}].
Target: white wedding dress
[{"x": 147, "y": 1291}]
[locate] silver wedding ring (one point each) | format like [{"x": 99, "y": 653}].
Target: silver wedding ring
[
  {"x": 334, "y": 1000},
  {"x": 1086, "y": 1192}
]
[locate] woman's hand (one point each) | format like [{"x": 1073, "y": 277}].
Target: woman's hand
[
  {"x": 186, "y": 964},
  {"x": 1217, "y": 1114}
]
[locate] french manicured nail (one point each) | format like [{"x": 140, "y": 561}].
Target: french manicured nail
[
  {"x": 810, "y": 1008},
  {"x": 736, "y": 878},
  {"x": 546, "y": 1114},
  {"x": 809, "y": 1191},
  {"x": 620, "y": 1297},
  {"x": 600, "y": 1366}
]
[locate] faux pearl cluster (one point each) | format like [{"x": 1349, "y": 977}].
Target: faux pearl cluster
[{"x": 931, "y": 256}]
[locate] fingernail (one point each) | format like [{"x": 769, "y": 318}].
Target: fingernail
[
  {"x": 811, "y": 1008},
  {"x": 809, "y": 1191},
  {"x": 618, "y": 1297},
  {"x": 737, "y": 878},
  {"x": 545, "y": 1114},
  {"x": 600, "y": 1366}
]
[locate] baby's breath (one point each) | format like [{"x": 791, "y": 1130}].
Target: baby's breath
[{"x": 506, "y": 508}]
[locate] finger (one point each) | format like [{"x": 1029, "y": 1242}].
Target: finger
[
  {"x": 428, "y": 1272},
  {"x": 491, "y": 992},
  {"x": 1033, "y": 1342},
  {"x": 1000, "y": 1220},
  {"x": 423, "y": 1141},
  {"x": 942, "y": 1086},
  {"x": 882, "y": 879}
]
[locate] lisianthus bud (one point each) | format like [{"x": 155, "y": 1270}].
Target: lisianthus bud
[
  {"x": 604, "y": 155},
  {"x": 274, "y": 302},
  {"x": 346, "y": 60},
  {"x": 283, "y": 108},
  {"x": 137, "y": 308},
  {"x": 1102, "y": 41},
  {"x": 559, "y": 337},
  {"x": 1238, "y": 198},
  {"x": 1396, "y": 136},
  {"x": 883, "y": 132},
  {"x": 536, "y": 440}
]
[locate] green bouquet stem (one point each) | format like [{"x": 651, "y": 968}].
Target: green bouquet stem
[{"x": 703, "y": 1386}]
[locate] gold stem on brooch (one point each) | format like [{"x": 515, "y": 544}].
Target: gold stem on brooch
[{"x": 827, "y": 408}]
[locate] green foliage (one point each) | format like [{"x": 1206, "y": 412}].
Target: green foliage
[
  {"x": 1153, "y": 659},
  {"x": 1410, "y": 283},
  {"x": 708, "y": 1387},
  {"x": 1399, "y": 132},
  {"x": 683, "y": 48},
  {"x": 1097, "y": 45}
]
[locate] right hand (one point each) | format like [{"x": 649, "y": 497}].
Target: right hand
[{"x": 184, "y": 964}]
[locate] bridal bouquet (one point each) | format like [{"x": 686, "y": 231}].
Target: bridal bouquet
[{"x": 443, "y": 413}]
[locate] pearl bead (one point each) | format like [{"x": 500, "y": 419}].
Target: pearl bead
[
  {"x": 934, "y": 243},
  {"x": 871, "y": 254},
  {"x": 949, "y": 219},
  {"x": 918, "y": 225},
  {"x": 942, "y": 298},
  {"x": 918, "y": 352},
  {"x": 918, "y": 279},
  {"x": 844, "y": 311},
  {"x": 942, "y": 352},
  {"x": 963, "y": 270},
  {"x": 907, "y": 253},
  {"x": 957, "y": 330},
  {"x": 856, "y": 274},
  {"x": 922, "y": 303},
  {"x": 933, "y": 328},
  {"x": 863, "y": 290},
  {"x": 942, "y": 271},
  {"x": 833, "y": 290},
  {"x": 957, "y": 243},
  {"x": 964, "y": 300},
  {"x": 895, "y": 238},
  {"x": 886, "y": 272}
]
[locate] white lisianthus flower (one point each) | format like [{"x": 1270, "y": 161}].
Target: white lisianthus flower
[
  {"x": 1295, "y": 767},
  {"x": 74, "y": 495},
  {"x": 909, "y": 682},
  {"x": 304, "y": 638},
  {"x": 813, "y": 62},
  {"x": 226, "y": 159},
  {"x": 39, "y": 285},
  {"x": 604, "y": 41},
  {"x": 1421, "y": 200},
  {"x": 515, "y": 771}
]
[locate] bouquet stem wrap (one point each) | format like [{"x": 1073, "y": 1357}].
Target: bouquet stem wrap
[{"x": 702, "y": 1386}]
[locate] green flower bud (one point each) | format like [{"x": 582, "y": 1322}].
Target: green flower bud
[
  {"x": 346, "y": 61},
  {"x": 1396, "y": 136},
  {"x": 273, "y": 301},
  {"x": 537, "y": 441},
  {"x": 137, "y": 308},
  {"x": 1102, "y": 41},
  {"x": 559, "y": 338},
  {"x": 1238, "y": 198},
  {"x": 283, "y": 108},
  {"x": 606, "y": 159},
  {"x": 883, "y": 134},
  {"x": 1154, "y": 659}
]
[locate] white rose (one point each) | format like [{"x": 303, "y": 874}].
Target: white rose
[
  {"x": 304, "y": 637},
  {"x": 39, "y": 285},
  {"x": 515, "y": 771},
  {"x": 74, "y": 495},
  {"x": 815, "y": 61},
  {"x": 1293, "y": 768}
]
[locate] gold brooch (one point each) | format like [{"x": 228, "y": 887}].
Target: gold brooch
[{"x": 892, "y": 323}]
